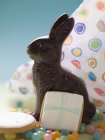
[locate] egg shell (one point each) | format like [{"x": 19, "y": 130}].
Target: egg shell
[
  {"x": 56, "y": 134},
  {"x": 47, "y": 136},
  {"x": 90, "y": 129}
]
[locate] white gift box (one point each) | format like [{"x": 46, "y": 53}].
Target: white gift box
[{"x": 62, "y": 110}]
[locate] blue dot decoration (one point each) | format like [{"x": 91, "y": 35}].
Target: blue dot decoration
[
  {"x": 80, "y": 28},
  {"x": 92, "y": 76},
  {"x": 95, "y": 44}
]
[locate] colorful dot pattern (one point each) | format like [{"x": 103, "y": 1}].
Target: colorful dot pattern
[
  {"x": 21, "y": 80},
  {"x": 86, "y": 57},
  {"x": 83, "y": 54}
]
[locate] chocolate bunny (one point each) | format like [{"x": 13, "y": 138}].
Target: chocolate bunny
[{"x": 48, "y": 75}]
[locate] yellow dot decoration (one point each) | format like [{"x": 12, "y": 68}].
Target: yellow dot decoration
[
  {"x": 100, "y": 5},
  {"x": 68, "y": 40},
  {"x": 84, "y": 13},
  {"x": 76, "y": 52}
]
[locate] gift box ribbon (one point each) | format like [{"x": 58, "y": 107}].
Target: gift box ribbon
[{"x": 62, "y": 109}]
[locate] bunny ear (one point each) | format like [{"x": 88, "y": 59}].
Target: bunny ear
[
  {"x": 63, "y": 30},
  {"x": 61, "y": 19}
]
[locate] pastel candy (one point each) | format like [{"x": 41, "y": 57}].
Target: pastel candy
[
  {"x": 90, "y": 129},
  {"x": 28, "y": 134},
  {"x": 48, "y": 136},
  {"x": 41, "y": 134},
  {"x": 35, "y": 136},
  {"x": 55, "y": 135},
  {"x": 10, "y": 136},
  {"x": 96, "y": 136},
  {"x": 65, "y": 132}
]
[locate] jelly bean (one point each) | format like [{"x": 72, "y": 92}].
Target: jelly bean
[
  {"x": 13, "y": 110},
  {"x": 41, "y": 134},
  {"x": 96, "y": 136},
  {"x": 75, "y": 134},
  {"x": 49, "y": 131},
  {"x": 10, "y": 136},
  {"x": 35, "y": 136},
  {"x": 56, "y": 134},
  {"x": 64, "y": 132},
  {"x": 58, "y": 138},
  {"x": 28, "y": 134},
  {"x": 33, "y": 130},
  {"x": 102, "y": 126},
  {"x": 19, "y": 109},
  {"x": 100, "y": 116},
  {"x": 95, "y": 118},
  {"x": 47, "y": 136},
  {"x": 42, "y": 129},
  {"x": 99, "y": 130},
  {"x": 82, "y": 128},
  {"x": 90, "y": 129},
  {"x": 63, "y": 138},
  {"x": 72, "y": 137}
]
